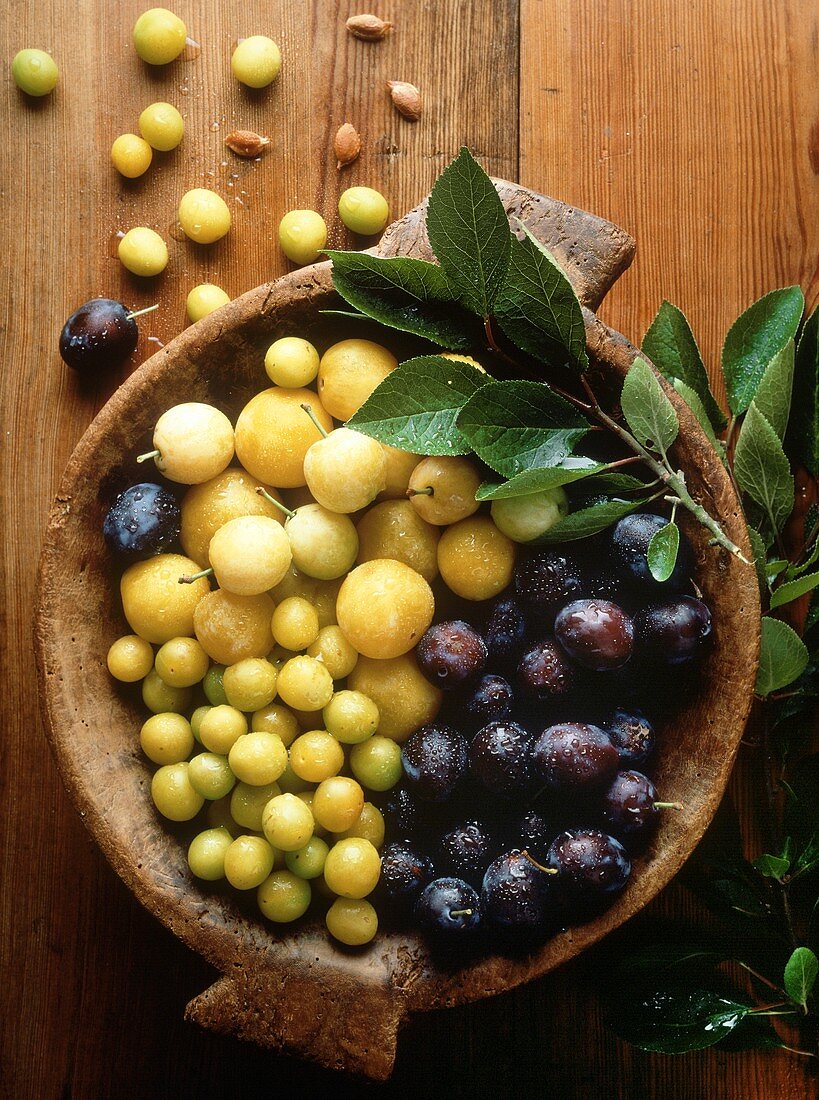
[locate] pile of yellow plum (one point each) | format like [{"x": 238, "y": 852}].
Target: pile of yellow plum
[{"x": 275, "y": 651}]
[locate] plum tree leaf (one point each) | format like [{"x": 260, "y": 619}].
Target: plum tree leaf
[
  {"x": 792, "y": 590},
  {"x": 583, "y": 522},
  {"x": 416, "y": 407},
  {"x": 538, "y": 308},
  {"x": 754, "y": 339},
  {"x": 783, "y": 657},
  {"x": 692, "y": 399},
  {"x": 662, "y": 551},
  {"x": 468, "y": 231},
  {"x": 670, "y": 345},
  {"x": 513, "y": 426},
  {"x": 406, "y": 294},
  {"x": 773, "y": 397},
  {"x": 647, "y": 410},
  {"x": 801, "y": 972},
  {"x": 676, "y": 1019},
  {"x": 539, "y": 478},
  {"x": 762, "y": 469}
]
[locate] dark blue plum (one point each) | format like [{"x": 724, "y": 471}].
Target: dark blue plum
[
  {"x": 629, "y": 806},
  {"x": 506, "y": 630},
  {"x": 144, "y": 519},
  {"x": 466, "y": 851},
  {"x": 547, "y": 581},
  {"x": 632, "y": 735},
  {"x": 591, "y": 865},
  {"x": 99, "y": 335},
  {"x": 516, "y": 893},
  {"x": 674, "y": 631},
  {"x": 435, "y": 759},
  {"x": 404, "y": 873},
  {"x": 629, "y": 548},
  {"x": 499, "y": 757},
  {"x": 448, "y": 906},
  {"x": 492, "y": 699}
]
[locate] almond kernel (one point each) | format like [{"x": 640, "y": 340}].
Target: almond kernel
[
  {"x": 347, "y": 145},
  {"x": 246, "y": 143},
  {"x": 368, "y": 27}
]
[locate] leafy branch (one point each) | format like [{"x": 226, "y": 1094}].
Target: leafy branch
[{"x": 496, "y": 292}]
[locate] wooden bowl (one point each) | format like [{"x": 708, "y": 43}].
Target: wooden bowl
[{"x": 296, "y": 990}]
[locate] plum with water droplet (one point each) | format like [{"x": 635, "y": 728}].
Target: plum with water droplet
[
  {"x": 448, "y": 906},
  {"x": 516, "y": 893},
  {"x": 100, "y": 334},
  {"x": 674, "y": 631},
  {"x": 144, "y": 519},
  {"x": 574, "y": 756},
  {"x": 598, "y": 634},
  {"x": 499, "y": 757},
  {"x": 435, "y": 760},
  {"x": 591, "y": 864}
]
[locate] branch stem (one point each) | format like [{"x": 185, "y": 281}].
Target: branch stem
[{"x": 673, "y": 479}]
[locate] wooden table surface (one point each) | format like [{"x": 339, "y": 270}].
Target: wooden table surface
[{"x": 692, "y": 123}]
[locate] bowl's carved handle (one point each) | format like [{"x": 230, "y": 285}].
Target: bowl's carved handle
[
  {"x": 593, "y": 252},
  {"x": 338, "y": 1023}
]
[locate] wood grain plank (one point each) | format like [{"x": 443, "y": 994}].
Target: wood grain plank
[
  {"x": 690, "y": 126},
  {"x": 93, "y": 989}
]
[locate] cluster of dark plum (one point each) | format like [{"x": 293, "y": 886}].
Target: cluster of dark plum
[{"x": 542, "y": 728}]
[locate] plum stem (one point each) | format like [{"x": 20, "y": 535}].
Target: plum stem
[
  {"x": 147, "y": 455},
  {"x": 540, "y": 867},
  {"x": 141, "y": 312},
  {"x": 668, "y": 805},
  {"x": 260, "y": 489},
  {"x": 312, "y": 416},
  {"x": 461, "y": 912},
  {"x": 427, "y": 492},
  {"x": 189, "y": 578}
]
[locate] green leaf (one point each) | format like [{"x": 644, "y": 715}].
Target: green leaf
[
  {"x": 647, "y": 410},
  {"x": 803, "y": 433},
  {"x": 692, "y": 400},
  {"x": 406, "y": 294},
  {"x": 782, "y": 659},
  {"x": 588, "y": 521},
  {"x": 662, "y": 551},
  {"x": 751, "y": 1033},
  {"x": 469, "y": 233},
  {"x": 762, "y": 470},
  {"x": 773, "y": 398},
  {"x": 416, "y": 406},
  {"x": 670, "y": 345},
  {"x": 760, "y": 557},
  {"x": 772, "y": 866},
  {"x": 792, "y": 590},
  {"x": 614, "y": 484},
  {"x": 538, "y": 308},
  {"x": 662, "y": 958},
  {"x": 676, "y": 1019},
  {"x": 753, "y": 340},
  {"x": 807, "y": 859},
  {"x": 801, "y": 972},
  {"x": 538, "y": 479},
  {"x": 515, "y": 425}
]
